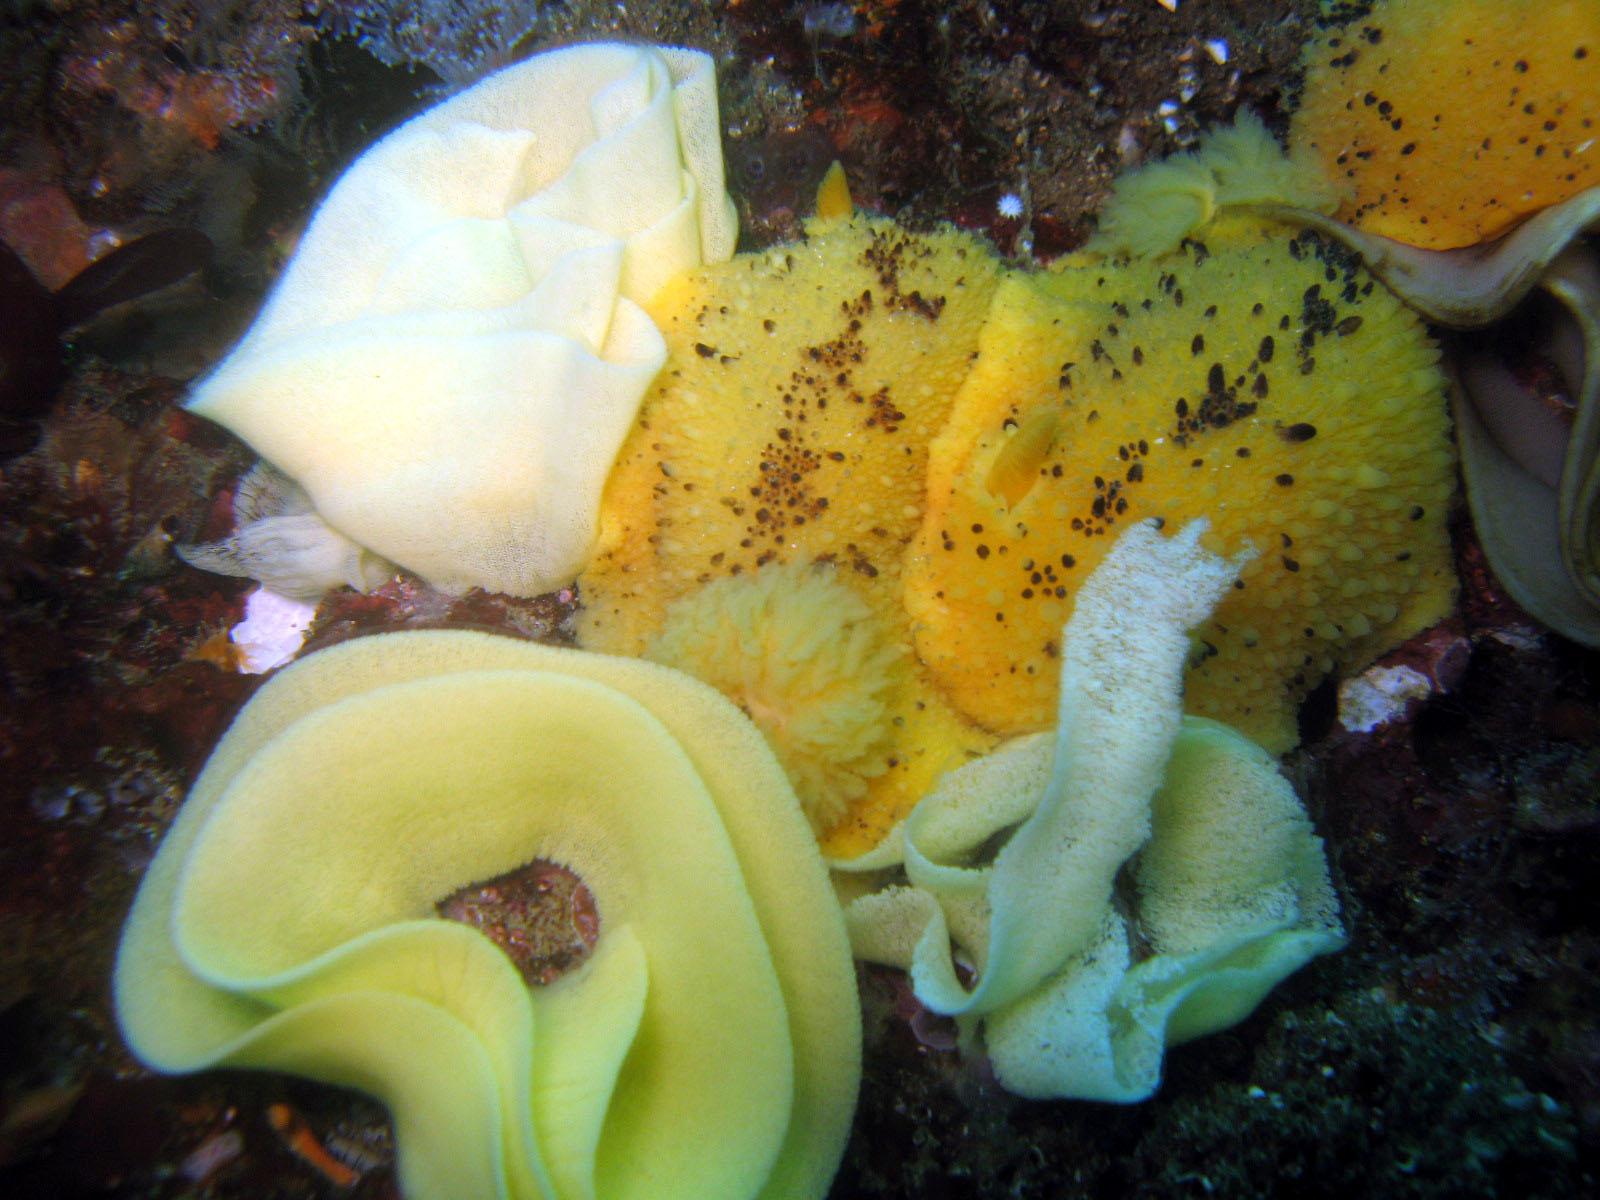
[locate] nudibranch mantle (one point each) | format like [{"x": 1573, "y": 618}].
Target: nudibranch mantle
[
  {"x": 709, "y": 1046},
  {"x": 457, "y": 349}
]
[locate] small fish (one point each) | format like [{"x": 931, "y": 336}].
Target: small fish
[{"x": 297, "y": 1135}]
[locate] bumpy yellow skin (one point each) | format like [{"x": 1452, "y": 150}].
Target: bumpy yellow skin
[
  {"x": 962, "y": 445},
  {"x": 809, "y": 662},
  {"x": 1447, "y": 123},
  {"x": 792, "y": 424},
  {"x": 1260, "y": 379}
]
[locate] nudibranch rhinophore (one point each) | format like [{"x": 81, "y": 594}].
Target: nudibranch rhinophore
[
  {"x": 1449, "y": 123},
  {"x": 709, "y": 1046},
  {"x": 457, "y": 349}
]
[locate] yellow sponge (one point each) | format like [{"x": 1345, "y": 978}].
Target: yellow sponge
[
  {"x": 1450, "y": 122},
  {"x": 1260, "y": 378}
]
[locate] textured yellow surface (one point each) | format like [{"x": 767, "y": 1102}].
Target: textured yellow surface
[
  {"x": 1261, "y": 379},
  {"x": 1448, "y": 122},
  {"x": 812, "y": 665},
  {"x": 792, "y": 424}
]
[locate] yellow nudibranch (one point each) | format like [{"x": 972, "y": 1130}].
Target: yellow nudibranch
[
  {"x": 959, "y": 444},
  {"x": 791, "y": 425},
  {"x": 1449, "y": 123},
  {"x": 1259, "y": 377}
]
